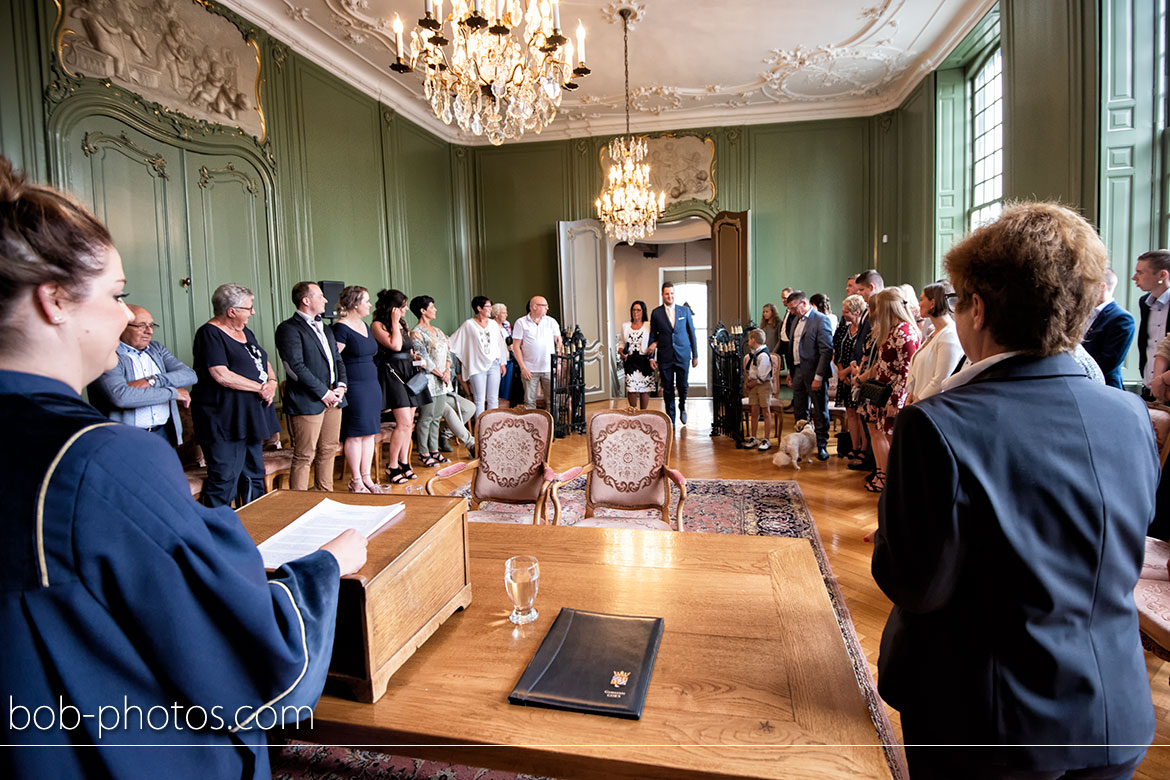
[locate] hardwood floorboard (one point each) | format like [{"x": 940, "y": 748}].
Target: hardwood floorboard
[{"x": 844, "y": 512}]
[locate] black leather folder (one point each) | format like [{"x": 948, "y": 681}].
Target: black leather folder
[{"x": 592, "y": 662}]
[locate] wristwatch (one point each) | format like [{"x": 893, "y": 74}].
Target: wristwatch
[{"x": 152, "y": 380}]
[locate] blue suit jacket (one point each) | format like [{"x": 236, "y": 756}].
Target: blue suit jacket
[
  {"x": 111, "y": 396},
  {"x": 1109, "y": 339},
  {"x": 1010, "y": 537},
  {"x": 816, "y": 345},
  {"x": 677, "y": 345}
]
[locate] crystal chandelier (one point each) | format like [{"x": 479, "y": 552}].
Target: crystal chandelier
[
  {"x": 489, "y": 77},
  {"x": 627, "y": 206}
]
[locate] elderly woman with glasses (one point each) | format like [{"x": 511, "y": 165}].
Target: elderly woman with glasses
[
  {"x": 1012, "y": 528},
  {"x": 231, "y": 404}
]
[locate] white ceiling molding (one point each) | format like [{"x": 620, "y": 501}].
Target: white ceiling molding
[{"x": 693, "y": 64}]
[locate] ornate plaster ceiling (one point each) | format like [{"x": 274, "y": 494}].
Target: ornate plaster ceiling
[{"x": 693, "y": 63}]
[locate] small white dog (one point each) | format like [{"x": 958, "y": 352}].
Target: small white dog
[{"x": 800, "y": 443}]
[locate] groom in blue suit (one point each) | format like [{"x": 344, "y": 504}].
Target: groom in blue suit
[{"x": 672, "y": 347}]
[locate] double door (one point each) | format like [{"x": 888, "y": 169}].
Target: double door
[{"x": 184, "y": 221}]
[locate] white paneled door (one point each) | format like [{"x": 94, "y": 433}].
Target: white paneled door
[{"x": 584, "y": 269}]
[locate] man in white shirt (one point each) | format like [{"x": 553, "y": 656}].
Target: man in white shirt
[
  {"x": 146, "y": 387},
  {"x": 314, "y": 392},
  {"x": 535, "y": 337},
  {"x": 1152, "y": 277}
]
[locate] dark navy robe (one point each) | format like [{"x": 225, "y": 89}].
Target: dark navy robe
[{"x": 132, "y": 615}]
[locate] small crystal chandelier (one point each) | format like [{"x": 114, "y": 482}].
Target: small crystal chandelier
[
  {"x": 492, "y": 80},
  {"x": 627, "y": 206}
]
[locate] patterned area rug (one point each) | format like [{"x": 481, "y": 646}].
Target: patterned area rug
[{"x": 749, "y": 507}]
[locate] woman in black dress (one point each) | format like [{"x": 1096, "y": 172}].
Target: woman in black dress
[
  {"x": 231, "y": 404},
  {"x": 361, "y": 419},
  {"x": 852, "y": 309},
  {"x": 396, "y": 366}
]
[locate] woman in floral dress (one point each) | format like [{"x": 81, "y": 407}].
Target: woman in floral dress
[{"x": 895, "y": 339}]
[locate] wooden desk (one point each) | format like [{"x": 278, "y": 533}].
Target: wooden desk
[{"x": 752, "y": 675}]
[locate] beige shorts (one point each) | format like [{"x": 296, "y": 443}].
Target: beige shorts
[{"x": 760, "y": 395}]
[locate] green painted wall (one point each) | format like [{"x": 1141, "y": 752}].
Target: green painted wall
[
  {"x": 346, "y": 189},
  {"x": 1051, "y": 99},
  {"x": 341, "y": 189},
  {"x": 809, "y": 200},
  {"x": 523, "y": 190}
]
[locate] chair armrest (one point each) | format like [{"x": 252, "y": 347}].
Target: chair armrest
[
  {"x": 677, "y": 478},
  {"x": 553, "y": 482},
  {"x": 450, "y": 471},
  {"x": 567, "y": 476}
]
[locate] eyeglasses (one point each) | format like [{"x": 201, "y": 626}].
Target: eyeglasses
[
  {"x": 952, "y": 297},
  {"x": 251, "y": 309},
  {"x": 142, "y": 325}
]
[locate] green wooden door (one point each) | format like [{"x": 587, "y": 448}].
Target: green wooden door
[{"x": 134, "y": 184}]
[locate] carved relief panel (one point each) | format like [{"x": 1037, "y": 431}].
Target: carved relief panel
[
  {"x": 683, "y": 166},
  {"x": 172, "y": 52}
]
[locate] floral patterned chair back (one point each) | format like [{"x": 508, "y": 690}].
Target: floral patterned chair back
[
  {"x": 513, "y": 449},
  {"x": 628, "y": 455}
]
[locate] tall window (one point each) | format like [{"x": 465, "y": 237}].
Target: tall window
[{"x": 986, "y": 195}]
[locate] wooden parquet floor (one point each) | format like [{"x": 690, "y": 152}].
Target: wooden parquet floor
[{"x": 844, "y": 512}]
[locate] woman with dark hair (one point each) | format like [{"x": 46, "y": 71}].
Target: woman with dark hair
[
  {"x": 396, "y": 368},
  {"x": 821, "y": 303},
  {"x": 117, "y": 585},
  {"x": 483, "y": 352},
  {"x": 361, "y": 420},
  {"x": 431, "y": 343},
  {"x": 1012, "y": 529},
  {"x": 232, "y": 403},
  {"x": 941, "y": 351},
  {"x": 635, "y": 340}
]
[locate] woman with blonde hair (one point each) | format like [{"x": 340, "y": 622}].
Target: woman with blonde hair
[
  {"x": 361, "y": 420},
  {"x": 894, "y": 341},
  {"x": 853, "y": 308}
]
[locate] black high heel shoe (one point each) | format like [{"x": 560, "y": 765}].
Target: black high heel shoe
[
  {"x": 396, "y": 476},
  {"x": 404, "y": 470}
]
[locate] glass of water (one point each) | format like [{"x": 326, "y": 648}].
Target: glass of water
[{"x": 521, "y": 580}]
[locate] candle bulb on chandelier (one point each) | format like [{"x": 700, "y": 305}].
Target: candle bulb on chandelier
[
  {"x": 580, "y": 42},
  {"x": 477, "y": 7},
  {"x": 428, "y": 7},
  {"x": 398, "y": 35},
  {"x": 499, "y": 10},
  {"x": 556, "y": 4}
]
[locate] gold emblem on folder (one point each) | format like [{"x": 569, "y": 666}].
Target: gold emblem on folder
[{"x": 619, "y": 678}]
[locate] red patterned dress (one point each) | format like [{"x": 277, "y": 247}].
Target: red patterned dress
[{"x": 893, "y": 367}]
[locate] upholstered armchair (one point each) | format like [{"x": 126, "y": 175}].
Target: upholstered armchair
[
  {"x": 512, "y": 467},
  {"x": 629, "y": 450}
]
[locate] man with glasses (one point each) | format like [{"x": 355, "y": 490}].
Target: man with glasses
[{"x": 146, "y": 387}]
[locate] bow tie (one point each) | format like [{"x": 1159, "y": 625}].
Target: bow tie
[{"x": 317, "y": 318}]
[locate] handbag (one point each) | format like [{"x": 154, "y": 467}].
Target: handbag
[
  {"x": 874, "y": 393},
  {"x": 871, "y": 391},
  {"x": 417, "y": 382}
]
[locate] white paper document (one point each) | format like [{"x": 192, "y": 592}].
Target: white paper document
[{"x": 321, "y": 524}]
